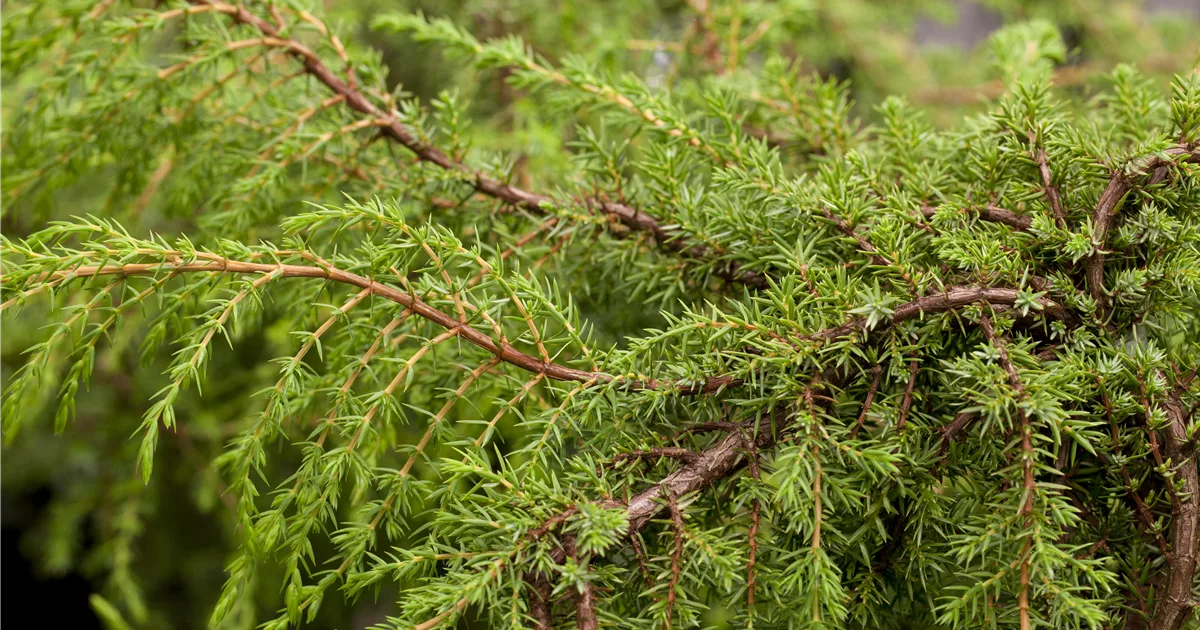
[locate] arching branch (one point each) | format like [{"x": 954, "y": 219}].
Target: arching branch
[
  {"x": 501, "y": 349},
  {"x": 1121, "y": 184},
  {"x": 1175, "y": 603},
  {"x": 628, "y": 216}
]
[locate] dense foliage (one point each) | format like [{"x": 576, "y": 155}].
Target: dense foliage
[{"x": 702, "y": 344}]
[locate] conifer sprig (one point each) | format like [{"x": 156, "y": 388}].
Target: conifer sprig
[{"x": 646, "y": 348}]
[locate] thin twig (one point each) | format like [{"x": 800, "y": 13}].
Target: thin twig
[
  {"x": 1027, "y": 464},
  {"x": 1050, "y": 190},
  {"x": 994, "y": 214},
  {"x": 1175, "y": 604},
  {"x": 539, "y": 602},
  {"x": 676, "y": 556},
  {"x": 1121, "y": 184},
  {"x": 670, "y": 452},
  {"x": 877, "y": 373},
  {"x": 585, "y": 596},
  {"x": 906, "y": 403}
]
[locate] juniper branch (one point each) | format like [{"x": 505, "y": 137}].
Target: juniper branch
[
  {"x": 630, "y": 217},
  {"x": 1176, "y": 604},
  {"x": 1120, "y": 185},
  {"x": 501, "y": 350}
]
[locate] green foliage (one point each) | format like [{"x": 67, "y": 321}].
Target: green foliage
[{"x": 728, "y": 340}]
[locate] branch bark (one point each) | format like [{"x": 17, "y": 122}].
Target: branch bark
[
  {"x": 669, "y": 452},
  {"x": 539, "y": 602},
  {"x": 1175, "y": 603},
  {"x": 1121, "y": 184},
  {"x": 1028, "y": 454},
  {"x": 585, "y": 598},
  {"x": 994, "y": 214},
  {"x": 1050, "y": 190},
  {"x": 953, "y": 298},
  {"x": 676, "y": 555},
  {"x": 954, "y": 427},
  {"x": 877, "y": 373},
  {"x": 906, "y": 403}
]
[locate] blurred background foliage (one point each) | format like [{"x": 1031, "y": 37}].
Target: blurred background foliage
[{"x": 67, "y": 536}]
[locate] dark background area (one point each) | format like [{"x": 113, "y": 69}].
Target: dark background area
[{"x": 66, "y": 598}]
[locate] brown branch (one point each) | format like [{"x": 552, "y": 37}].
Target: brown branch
[
  {"x": 539, "y": 602},
  {"x": 1099, "y": 544},
  {"x": 755, "y": 508},
  {"x": 502, "y": 350},
  {"x": 1014, "y": 381},
  {"x": 551, "y": 523},
  {"x": 1050, "y": 190},
  {"x": 951, "y": 430},
  {"x": 585, "y": 609},
  {"x": 709, "y": 427},
  {"x": 712, "y": 465},
  {"x": 994, "y": 214},
  {"x": 1175, "y": 603},
  {"x": 1027, "y": 464},
  {"x": 1144, "y": 511},
  {"x": 1023, "y": 595},
  {"x": 1152, "y": 435},
  {"x": 1121, "y": 184},
  {"x": 391, "y": 128},
  {"x": 585, "y": 597},
  {"x": 676, "y": 555},
  {"x": 906, "y": 404},
  {"x": 866, "y": 408},
  {"x": 997, "y": 214},
  {"x": 671, "y": 452},
  {"x": 953, "y": 298}
]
